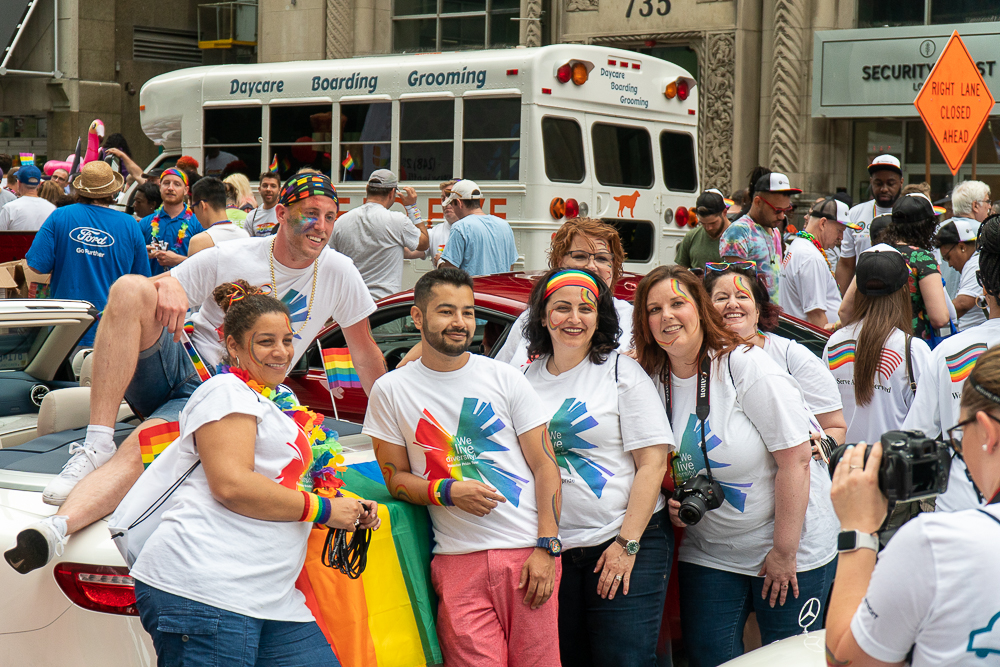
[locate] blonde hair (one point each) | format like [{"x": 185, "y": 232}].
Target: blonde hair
[{"x": 244, "y": 195}]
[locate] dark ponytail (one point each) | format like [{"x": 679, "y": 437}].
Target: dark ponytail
[
  {"x": 244, "y": 304},
  {"x": 989, "y": 256}
]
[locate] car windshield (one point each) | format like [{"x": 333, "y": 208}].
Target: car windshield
[{"x": 19, "y": 345}]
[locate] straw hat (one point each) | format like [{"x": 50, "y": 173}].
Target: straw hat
[{"x": 97, "y": 179}]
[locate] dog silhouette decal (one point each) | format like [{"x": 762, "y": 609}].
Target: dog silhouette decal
[{"x": 627, "y": 202}]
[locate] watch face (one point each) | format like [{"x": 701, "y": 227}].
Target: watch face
[
  {"x": 847, "y": 541},
  {"x": 555, "y": 546},
  {"x": 632, "y": 548}
]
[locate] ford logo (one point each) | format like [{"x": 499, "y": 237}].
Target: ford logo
[{"x": 92, "y": 237}]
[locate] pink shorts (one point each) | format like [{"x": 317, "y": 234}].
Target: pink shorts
[{"x": 482, "y": 617}]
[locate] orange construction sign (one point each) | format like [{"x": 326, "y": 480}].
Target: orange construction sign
[{"x": 954, "y": 102}]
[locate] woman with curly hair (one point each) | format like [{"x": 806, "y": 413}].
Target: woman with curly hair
[{"x": 611, "y": 440}]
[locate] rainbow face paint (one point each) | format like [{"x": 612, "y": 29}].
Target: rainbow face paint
[
  {"x": 677, "y": 289},
  {"x": 588, "y": 298},
  {"x": 740, "y": 283}
]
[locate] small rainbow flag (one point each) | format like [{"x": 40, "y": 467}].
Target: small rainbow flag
[
  {"x": 152, "y": 441},
  {"x": 348, "y": 162},
  {"x": 961, "y": 363},
  {"x": 27, "y": 158},
  {"x": 274, "y": 163},
  {"x": 841, "y": 353},
  {"x": 339, "y": 368},
  {"x": 196, "y": 361},
  {"x": 939, "y": 210}
]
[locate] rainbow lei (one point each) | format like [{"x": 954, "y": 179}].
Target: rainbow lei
[
  {"x": 328, "y": 460},
  {"x": 154, "y": 226}
]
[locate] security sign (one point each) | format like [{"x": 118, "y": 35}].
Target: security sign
[{"x": 954, "y": 102}]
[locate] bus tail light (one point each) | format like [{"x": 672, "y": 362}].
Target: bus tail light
[
  {"x": 671, "y": 91},
  {"x": 681, "y": 216},
  {"x": 564, "y": 73},
  {"x": 683, "y": 90},
  {"x": 580, "y": 74},
  {"x": 577, "y": 71},
  {"x": 679, "y": 88},
  {"x": 693, "y": 217},
  {"x": 668, "y": 216},
  {"x": 98, "y": 587},
  {"x": 557, "y": 208},
  {"x": 572, "y": 208}
]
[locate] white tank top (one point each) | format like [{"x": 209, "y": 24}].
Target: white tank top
[{"x": 226, "y": 232}]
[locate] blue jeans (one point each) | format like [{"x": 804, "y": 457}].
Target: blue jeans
[
  {"x": 191, "y": 634},
  {"x": 163, "y": 381},
  {"x": 715, "y": 605},
  {"x": 623, "y": 631}
]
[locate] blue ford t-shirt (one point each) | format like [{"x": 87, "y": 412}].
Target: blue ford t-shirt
[
  {"x": 169, "y": 230},
  {"x": 481, "y": 245},
  {"x": 86, "y": 248}
]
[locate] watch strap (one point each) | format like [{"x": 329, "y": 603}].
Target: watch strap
[{"x": 852, "y": 540}]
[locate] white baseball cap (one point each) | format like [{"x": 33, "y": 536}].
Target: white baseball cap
[
  {"x": 888, "y": 162},
  {"x": 464, "y": 189},
  {"x": 957, "y": 230},
  {"x": 775, "y": 182}
]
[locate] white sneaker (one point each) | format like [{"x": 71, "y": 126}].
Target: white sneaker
[
  {"x": 84, "y": 461},
  {"x": 38, "y": 544}
]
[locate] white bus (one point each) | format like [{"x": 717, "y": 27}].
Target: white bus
[{"x": 546, "y": 132}]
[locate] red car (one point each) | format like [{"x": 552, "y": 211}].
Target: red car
[{"x": 499, "y": 300}]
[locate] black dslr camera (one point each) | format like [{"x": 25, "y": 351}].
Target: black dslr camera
[
  {"x": 697, "y": 496},
  {"x": 914, "y": 467}
]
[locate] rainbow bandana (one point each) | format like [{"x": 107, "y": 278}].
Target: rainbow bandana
[
  {"x": 174, "y": 171},
  {"x": 302, "y": 186},
  {"x": 572, "y": 278}
]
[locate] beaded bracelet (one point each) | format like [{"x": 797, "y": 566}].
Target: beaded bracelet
[
  {"x": 439, "y": 491},
  {"x": 317, "y": 509}
]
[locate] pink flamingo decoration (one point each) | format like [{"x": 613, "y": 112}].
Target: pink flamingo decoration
[{"x": 94, "y": 137}]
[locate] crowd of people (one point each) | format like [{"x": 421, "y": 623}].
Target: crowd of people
[{"x": 557, "y": 473}]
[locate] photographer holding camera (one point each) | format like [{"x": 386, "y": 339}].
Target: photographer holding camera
[
  {"x": 933, "y": 592},
  {"x": 759, "y": 536}
]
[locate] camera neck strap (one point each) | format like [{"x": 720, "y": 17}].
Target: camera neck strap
[{"x": 702, "y": 407}]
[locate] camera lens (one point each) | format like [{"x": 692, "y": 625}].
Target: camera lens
[{"x": 692, "y": 509}]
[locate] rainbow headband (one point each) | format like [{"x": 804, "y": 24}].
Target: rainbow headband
[
  {"x": 571, "y": 278},
  {"x": 174, "y": 171},
  {"x": 303, "y": 186}
]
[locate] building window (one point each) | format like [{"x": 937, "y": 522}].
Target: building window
[
  {"x": 426, "y": 140},
  {"x": 454, "y": 25},
  {"x": 491, "y": 139},
  {"x": 232, "y": 141},
  {"x": 301, "y": 137},
  {"x": 365, "y": 136},
  {"x": 878, "y": 13}
]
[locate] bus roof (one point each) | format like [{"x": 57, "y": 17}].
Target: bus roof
[{"x": 619, "y": 81}]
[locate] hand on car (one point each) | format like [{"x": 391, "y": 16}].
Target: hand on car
[
  {"x": 475, "y": 497},
  {"x": 538, "y": 575}
]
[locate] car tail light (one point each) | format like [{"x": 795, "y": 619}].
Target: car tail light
[
  {"x": 580, "y": 74},
  {"x": 557, "y": 208},
  {"x": 681, "y": 216},
  {"x": 682, "y": 89},
  {"x": 98, "y": 587},
  {"x": 564, "y": 73},
  {"x": 572, "y": 208}
]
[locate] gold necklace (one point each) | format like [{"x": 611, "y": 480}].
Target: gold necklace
[{"x": 312, "y": 293}]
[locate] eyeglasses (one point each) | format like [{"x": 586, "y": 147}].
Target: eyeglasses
[
  {"x": 945, "y": 255},
  {"x": 741, "y": 265},
  {"x": 583, "y": 257},
  {"x": 786, "y": 210},
  {"x": 956, "y": 432}
]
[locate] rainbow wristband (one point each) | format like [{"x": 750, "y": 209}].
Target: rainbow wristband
[
  {"x": 317, "y": 508},
  {"x": 439, "y": 491}
]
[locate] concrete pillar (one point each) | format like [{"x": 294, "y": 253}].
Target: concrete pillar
[{"x": 746, "y": 115}]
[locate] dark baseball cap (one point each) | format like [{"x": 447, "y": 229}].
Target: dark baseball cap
[
  {"x": 29, "y": 175},
  {"x": 833, "y": 209},
  {"x": 711, "y": 202},
  {"x": 957, "y": 230},
  {"x": 879, "y": 225},
  {"x": 775, "y": 182},
  {"x": 912, "y": 208},
  {"x": 881, "y": 270}
]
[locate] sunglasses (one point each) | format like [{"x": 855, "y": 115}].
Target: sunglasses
[
  {"x": 740, "y": 265},
  {"x": 956, "y": 432},
  {"x": 786, "y": 210}
]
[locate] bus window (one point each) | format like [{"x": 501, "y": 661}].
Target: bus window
[
  {"x": 426, "y": 140},
  {"x": 365, "y": 135},
  {"x": 677, "y": 153},
  {"x": 232, "y": 141},
  {"x": 491, "y": 139},
  {"x": 562, "y": 143},
  {"x": 636, "y": 236},
  {"x": 301, "y": 137},
  {"x": 623, "y": 156}
]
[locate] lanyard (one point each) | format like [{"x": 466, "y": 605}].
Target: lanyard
[{"x": 702, "y": 407}]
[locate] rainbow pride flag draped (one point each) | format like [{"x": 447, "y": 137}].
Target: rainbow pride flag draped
[
  {"x": 386, "y": 617},
  {"x": 340, "y": 368},
  {"x": 203, "y": 373},
  {"x": 152, "y": 441}
]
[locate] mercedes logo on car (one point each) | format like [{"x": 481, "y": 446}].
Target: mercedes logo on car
[{"x": 809, "y": 613}]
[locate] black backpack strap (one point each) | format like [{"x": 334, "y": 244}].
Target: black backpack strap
[
  {"x": 617, "y": 357},
  {"x": 909, "y": 364}
]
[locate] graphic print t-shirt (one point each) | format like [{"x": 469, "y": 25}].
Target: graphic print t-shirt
[
  {"x": 340, "y": 291},
  {"x": 261, "y": 221},
  {"x": 756, "y": 409},
  {"x": 892, "y": 397},
  {"x": 595, "y": 423},
  {"x": 464, "y": 424},
  {"x": 748, "y": 240},
  {"x": 200, "y": 549}
]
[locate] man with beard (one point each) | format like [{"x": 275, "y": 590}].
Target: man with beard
[
  {"x": 702, "y": 244},
  {"x": 475, "y": 450},
  {"x": 138, "y": 353},
  {"x": 262, "y": 219},
  {"x": 169, "y": 229},
  {"x": 886, "y": 181},
  {"x": 756, "y": 236}
]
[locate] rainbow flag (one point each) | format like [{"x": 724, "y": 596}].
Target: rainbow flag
[
  {"x": 961, "y": 363},
  {"x": 152, "y": 441},
  {"x": 385, "y": 618},
  {"x": 841, "y": 353},
  {"x": 274, "y": 163},
  {"x": 196, "y": 361},
  {"x": 27, "y": 158},
  {"x": 339, "y": 368},
  {"x": 348, "y": 162}
]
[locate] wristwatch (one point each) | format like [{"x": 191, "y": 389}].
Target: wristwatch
[
  {"x": 550, "y": 544},
  {"x": 852, "y": 540},
  {"x": 631, "y": 547}
]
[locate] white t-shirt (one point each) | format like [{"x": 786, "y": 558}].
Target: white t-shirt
[
  {"x": 938, "y": 402},
  {"x": 340, "y": 291},
  {"x": 756, "y": 409},
  {"x": 6, "y": 197},
  {"x": 969, "y": 286},
  {"x": 934, "y": 590},
  {"x": 464, "y": 424},
  {"x": 596, "y": 421},
  {"x": 261, "y": 221},
  {"x": 214, "y": 166},
  {"x": 856, "y": 242},
  {"x": 819, "y": 388},
  {"x": 515, "y": 348},
  {"x": 374, "y": 237},
  {"x": 205, "y": 552},
  {"x": 25, "y": 214},
  {"x": 892, "y": 396},
  {"x": 806, "y": 282},
  {"x": 438, "y": 238},
  {"x": 226, "y": 232}
]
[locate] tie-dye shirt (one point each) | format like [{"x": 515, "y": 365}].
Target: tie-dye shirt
[{"x": 748, "y": 240}]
